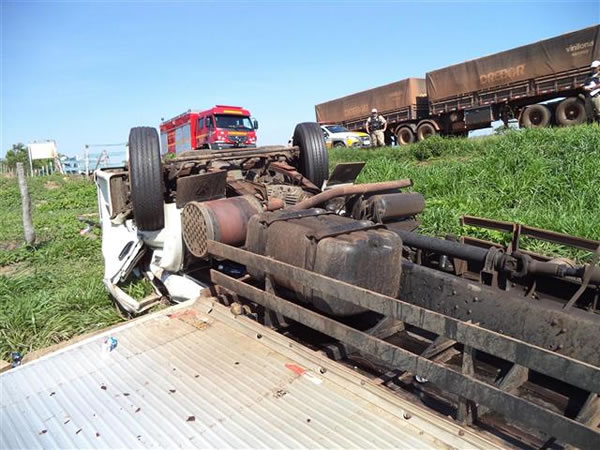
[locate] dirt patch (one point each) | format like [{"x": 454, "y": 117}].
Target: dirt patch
[
  {"x": 51, "y": 185},
  {"x": 9, "y": 245},
  {"x": 17, "y": 269}
]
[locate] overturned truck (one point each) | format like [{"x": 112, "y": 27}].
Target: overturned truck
[{"x": 500, "y": 339}]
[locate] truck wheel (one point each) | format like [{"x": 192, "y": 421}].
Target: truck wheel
[
  {"x": 145, "y": 177},
  {"x": 425, "y": 130},
  {"x": 405, "y": 136},
  {"x": 314, "y": 160},
  {"x": 536, "y": 116},
  {"x": 571, "y": 111}
]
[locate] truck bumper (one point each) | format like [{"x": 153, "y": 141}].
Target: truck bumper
[{"x": 220, "y": 146}]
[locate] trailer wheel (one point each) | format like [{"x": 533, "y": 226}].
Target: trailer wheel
[
  {"x": 536, "y": 116},
  {"x": 571, "y": 111},
  {"x": 425, "y": 130},
  {"x": 405, "y": 136},
  {"x": 314, "y": 160},
  {"x": 145, "y": 177}
]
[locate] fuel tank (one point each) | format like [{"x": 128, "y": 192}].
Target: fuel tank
[{"x": 357, "y": 252}]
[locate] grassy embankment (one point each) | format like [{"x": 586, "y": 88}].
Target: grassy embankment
[
  {"x": 545, "y": 178},
  {"x": 548, "y": 178},
  {"x": 53, "y": 291}
]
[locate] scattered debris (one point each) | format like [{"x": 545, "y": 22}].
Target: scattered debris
[
  {"x": 280, "y": 393},
  {"x": 138, "y": 410},
  {"x": 295, "y": 368},
  {"x": 43, "y": 432},
  {"x": 191, "y": 419},
  {"x": 172, "y": 391},
  {"x": 126, "y": 394},
  {"x": 52, "y": 394},
  {"x": 103, "y": 387},
  {"x": 78, "y": 431},
  {"x": 110, "y": 343},
  {"x": 16, "y": 359},
  {"x": 86, "y": 230}
]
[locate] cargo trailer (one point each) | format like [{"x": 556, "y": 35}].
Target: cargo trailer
[
  {"x": 539, "y": 84},
  {"x": 402, "y": 102}
]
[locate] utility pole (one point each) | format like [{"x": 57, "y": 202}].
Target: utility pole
[
  {"x": 28, "y": 230},
  {"x": 87, "y": 160}
]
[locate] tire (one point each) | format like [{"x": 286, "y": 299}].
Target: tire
[
  {"x": 339, "y": 145},
  {"x": 145, "y": 177},
  {"x": 405, "y": 136},
  {"x": 536, "y": 116},
  {"x": 571, "y": 111},
  {"x": 425, "y": 130},
  {"x": 314, "y": 160}
]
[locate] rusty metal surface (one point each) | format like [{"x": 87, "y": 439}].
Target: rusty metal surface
[
  {"x": 196, "y": 376},
  {"x": 384, "y": 207},
  {"x": 345, "y": 173},
  {"x": 338, "y": 247},
  {"x": 469, "y": 387},
  {"x": 118, "y": 195},
  {"x": 200, "y": 188},
  {"x": 289, "y": 195},
  {"x": 543, "y": 323},
  {"x": 323, "y": 197},
  {"x": 224, "y": 220},
  {"x": 539, "y": 358},
  {"x": 216, "y": 155},
  {"x": 524, "y": 230}
]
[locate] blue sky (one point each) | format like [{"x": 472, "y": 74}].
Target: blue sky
[{"x": 85, "y": 72}]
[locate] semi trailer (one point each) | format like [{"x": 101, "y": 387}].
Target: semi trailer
[
  {"x": 539, "y": 84},
  {"x": 311, "y": 312}
]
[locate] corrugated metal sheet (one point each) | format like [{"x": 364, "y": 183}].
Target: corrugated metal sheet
[{"x": 195, "y": 376}]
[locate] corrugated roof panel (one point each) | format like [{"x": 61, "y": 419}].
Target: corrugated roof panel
[{"x": 186, "y": 378}]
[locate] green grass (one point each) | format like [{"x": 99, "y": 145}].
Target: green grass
[
  {"x": 54, "y": 291},
  {"x": 548, "y": 178}
]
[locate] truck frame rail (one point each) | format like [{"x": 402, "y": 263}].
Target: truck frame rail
[{"x": 463, "y": 382}]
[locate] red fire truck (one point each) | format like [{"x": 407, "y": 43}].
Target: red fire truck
[{"x": 216, "y": 128}]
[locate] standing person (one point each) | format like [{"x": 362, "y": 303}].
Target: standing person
[
  {"x": 376, "y": 126},
  {"x": 592, "y": 88}
]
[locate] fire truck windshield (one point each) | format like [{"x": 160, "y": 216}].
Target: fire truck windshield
[{"x": 233, "y": 122}]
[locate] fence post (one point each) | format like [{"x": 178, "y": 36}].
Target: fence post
[{"x": 28, "y": 230}]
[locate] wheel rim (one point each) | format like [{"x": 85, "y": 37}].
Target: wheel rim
[
  {"x": 535, "y": 117},
  {"x": 404, "y": 137},
  {"x": 572, "y": 112},
  {"x": 426, "y": 132}
]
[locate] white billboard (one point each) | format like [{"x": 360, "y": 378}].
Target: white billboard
[{"x": 43, "y": 150}]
